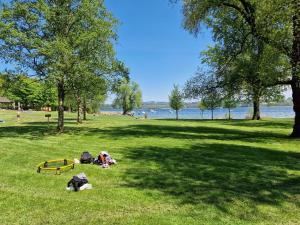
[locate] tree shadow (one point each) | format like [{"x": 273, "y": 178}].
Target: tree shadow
[
  {"x": 285, "y": 124},
  {"x": 217, "y": 174},
  {"x": 38, "y": 130},
  {"x": 194, "y": 132}
]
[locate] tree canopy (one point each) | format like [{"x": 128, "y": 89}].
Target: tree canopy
[
  {"x": 62, "y": 41},
  {"x": 176, "y": 99},
  {"x": 128, "y": 96},
  {"x": 238, "y": 24}
]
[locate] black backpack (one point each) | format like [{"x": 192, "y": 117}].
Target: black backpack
[
  {"x": 86, "y": 157},
  {"x": 77, "y": 182}
]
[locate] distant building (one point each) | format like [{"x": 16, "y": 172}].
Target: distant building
[{"x": 6, "y": 103}]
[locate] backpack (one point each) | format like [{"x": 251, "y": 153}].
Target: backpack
[
  {"x": 86, "y": 157},
  {"x": 77, "y": 182}
]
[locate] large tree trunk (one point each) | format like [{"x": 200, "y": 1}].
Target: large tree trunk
[
  {"x": 60, "y": 109},
  {"x": 295, "y": 60},
  {"x": 229, "y": 111},
  {"x": 176, "y": 114},
  {"x": 296, "y": 101},
  {"x": 212, "y": 114},
  {"x": 256, "y": 108}
]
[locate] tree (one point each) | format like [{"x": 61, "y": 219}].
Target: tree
[
  {"x": 95, "y": 95},
  {"x": 58, "y": 40},
  {"x": 275, "y": 24},
  {"x": 251, "y": 72},
  {"x": 176, "y": 100},
  {"x": 128, "y": 96},
  {"x": 202, "y": 107},
  {"x": 211, "y": 101},
  {"x": 95, "y": 103},
  {"x": 229, "y": 102},
  {"x": 30, "y": 93},
  {"x": 206, "y": 87}
]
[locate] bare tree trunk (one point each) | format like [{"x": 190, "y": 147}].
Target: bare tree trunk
[
  {"x": 60, "y": 109},
  {"x": 212, "y": 114},
  {"x": 79, "y": 110},
  {"x": 295, "y": 61},
  {"x": 84, "y": 109},
  {"x": 229, "y": 113},
  {"x": 176, "y": 114}
]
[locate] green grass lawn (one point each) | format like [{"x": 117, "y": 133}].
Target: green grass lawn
[{"x": 168, "y": 172}]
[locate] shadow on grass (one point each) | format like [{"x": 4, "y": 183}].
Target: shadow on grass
[
  {"x": 39, "y": 130},
  {"x": 36, "y": 130},
  {"x": 194, "y": 132},
  {"x": 284, "y": 123},
  {"x": 217, "y": 174}
]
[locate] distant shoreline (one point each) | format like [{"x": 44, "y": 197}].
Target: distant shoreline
[{"x": 243, "y": 112}]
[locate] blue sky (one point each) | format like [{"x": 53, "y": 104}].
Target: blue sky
[{"x": 153, "y": 44}]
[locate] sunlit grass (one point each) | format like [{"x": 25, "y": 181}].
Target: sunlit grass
[{"x": 168, "y": 172}]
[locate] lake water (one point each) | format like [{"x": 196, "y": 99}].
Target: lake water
[{"x": 194, "y": 113}]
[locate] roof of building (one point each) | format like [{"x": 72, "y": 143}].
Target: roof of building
[{"x": 5, "y": 100}]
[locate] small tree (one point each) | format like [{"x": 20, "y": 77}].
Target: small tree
[
  {"x": 129, "y": 96},
  {"x": 211, "y": 101},
  {"x": 176, "y": 100},
  {"x": 202, "y": 107},
  {"x": 207, "y": 87},
  {"x": 229, "y": 104},
  {"x": 230, "y": 101}
]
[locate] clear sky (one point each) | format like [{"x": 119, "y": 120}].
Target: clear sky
[{"x": 154, "y": 45}]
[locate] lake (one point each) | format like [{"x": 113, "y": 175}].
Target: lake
[{"x": 220, "y": 113}]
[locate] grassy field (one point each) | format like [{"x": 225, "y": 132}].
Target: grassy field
[{"x": 168, "y": 172}]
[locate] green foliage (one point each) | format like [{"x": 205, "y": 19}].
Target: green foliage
[
  {"x": 95, "y": 104},
  {"x": 65, "y": 41},
  {"x": 212, "y": 100},
  {"x": 205, "y": 86},
  {"x": 252, "y": 52},
  {"x": 267, "y": 21},
  {"x": 201, "y": 106},
  {"x": 176, "y": 98},
  {"x": 58, "y": 38},
  {"x": 230, "y": 103},
  {"x": 128, "y": 96},
  {"x": 29, "y": 92}
]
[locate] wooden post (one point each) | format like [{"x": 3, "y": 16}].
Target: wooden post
[{"x": 48, "y": 117}]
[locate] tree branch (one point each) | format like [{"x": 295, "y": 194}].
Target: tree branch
[
  {"x": 248, "y": 14},
  {"x": 280, "y": 82}
]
